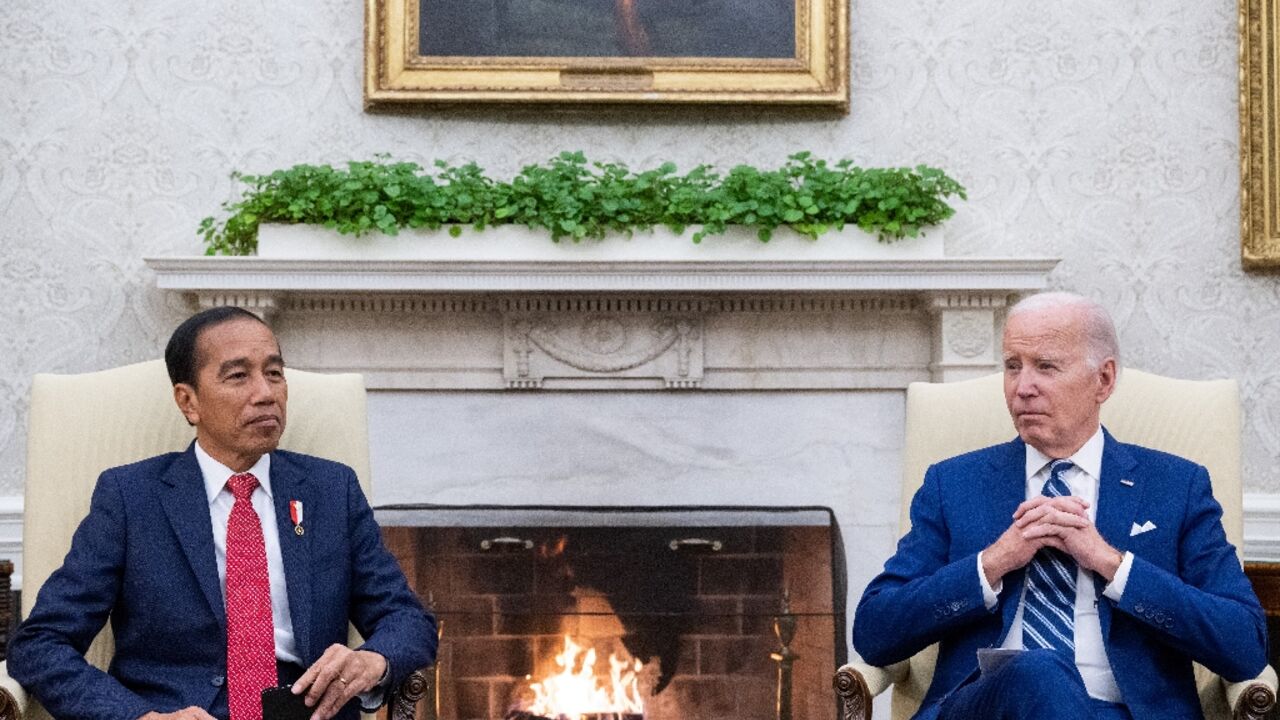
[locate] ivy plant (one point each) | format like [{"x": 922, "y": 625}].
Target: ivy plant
[{"x": 572, "y": 198}]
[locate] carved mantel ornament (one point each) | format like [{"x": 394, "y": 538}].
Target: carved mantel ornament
[{"x": 649, "y": 324}]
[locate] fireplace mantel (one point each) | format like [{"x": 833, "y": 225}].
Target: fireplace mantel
[
  {"x": 273, "y": 277},
  {"x": 853, "y": 324}
]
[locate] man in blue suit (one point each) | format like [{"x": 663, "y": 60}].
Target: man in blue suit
[
  {"x": 1105, "y": 564},
  {"x": 226, "y": 568}
]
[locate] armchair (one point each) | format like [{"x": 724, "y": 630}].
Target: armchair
[
  {"x": 947, "y": 419},
  {"x": 82, "y": 424}
]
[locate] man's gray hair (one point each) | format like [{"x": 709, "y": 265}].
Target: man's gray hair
[{"x": 1100, "y": 332}]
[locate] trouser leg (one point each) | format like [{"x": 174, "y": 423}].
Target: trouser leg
[{"x": 1040, "y": 684}]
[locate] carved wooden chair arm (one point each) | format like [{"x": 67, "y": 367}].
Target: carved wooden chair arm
[
  {"x": 1253, "y": 699},
  {"x": 403, "y": 703},
  {"x": 13, "y": 699},
  {"x": 857, "y": 683}
]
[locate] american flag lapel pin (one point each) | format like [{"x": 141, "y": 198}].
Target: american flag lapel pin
[{"x": 295, "y": 514}]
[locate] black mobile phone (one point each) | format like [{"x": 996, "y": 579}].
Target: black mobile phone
[{"x": 279, "y": 703}]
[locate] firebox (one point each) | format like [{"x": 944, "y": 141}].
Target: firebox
[{"x": 593, "y": 613}]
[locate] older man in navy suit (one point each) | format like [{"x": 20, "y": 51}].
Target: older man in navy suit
[
  {"x": 1101, "y": 568},
  {"x": 224, "y": 569}
]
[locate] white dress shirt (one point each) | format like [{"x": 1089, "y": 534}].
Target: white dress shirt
[
  {"x": 1091, "y": 652},
  {"x": 216, "y": 476},
  {"x": 220, "y": 501}
]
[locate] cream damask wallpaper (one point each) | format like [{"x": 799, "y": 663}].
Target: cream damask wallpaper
[{"x": 1099, "y": 131}]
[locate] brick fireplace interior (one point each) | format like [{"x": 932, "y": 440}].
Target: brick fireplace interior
[{"x": 693, "y": 594}]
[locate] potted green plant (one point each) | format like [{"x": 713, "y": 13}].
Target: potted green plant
[{"x": 396, "y": 210}]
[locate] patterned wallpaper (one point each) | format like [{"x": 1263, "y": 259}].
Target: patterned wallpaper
[{"x": 1103, "y": 132}]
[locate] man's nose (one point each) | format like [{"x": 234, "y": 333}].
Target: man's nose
[
  {"x": 262, "y": 392},
  {"x": 1026, "y": 385}
]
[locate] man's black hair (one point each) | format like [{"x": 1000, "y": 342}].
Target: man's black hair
[{"x": 180, "y": 354}]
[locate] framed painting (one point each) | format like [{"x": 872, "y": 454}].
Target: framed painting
[
  {"x": 1259, "y": 135},
  {"x": 775, "y": 52}
]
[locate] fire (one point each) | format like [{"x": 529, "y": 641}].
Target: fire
[{"x": 576, "y": 691}]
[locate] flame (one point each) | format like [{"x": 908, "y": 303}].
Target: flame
[{"x": 576, "y": 691}]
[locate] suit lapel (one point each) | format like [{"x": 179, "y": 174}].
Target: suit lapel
[
  {"x": 288, "y": 483},
  {"x": 1120, "y": 495},
  {"x": 1009, "y": 490},
  {"x": 187, "y": 507}
]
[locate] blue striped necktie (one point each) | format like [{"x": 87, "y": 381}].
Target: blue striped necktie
[{"x": 1048, "y": 611}]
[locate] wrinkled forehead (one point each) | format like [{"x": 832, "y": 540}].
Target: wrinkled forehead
[{"x": 1052, "y": 331}]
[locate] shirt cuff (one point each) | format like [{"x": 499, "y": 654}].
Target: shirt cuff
[
  {"x": 1115, "y": 589},
  {"x": 374, "y": 697},
  {"x": 990, "y": 595}
]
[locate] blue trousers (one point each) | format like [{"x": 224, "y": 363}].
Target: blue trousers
[{"x": 1040, "y": 684}]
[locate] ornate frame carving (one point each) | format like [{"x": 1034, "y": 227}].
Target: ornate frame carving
[
  {"x": 818, "y": 75},
  {"x": 1259, "y": 135}
]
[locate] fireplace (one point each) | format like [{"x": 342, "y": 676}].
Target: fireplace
[
  {"x": 589, "y": 612},
  {"x": 637, "y": 383}
]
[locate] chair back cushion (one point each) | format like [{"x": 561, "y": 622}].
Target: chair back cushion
[
  {"x": 83, "y": 424},
  {"x": 1198, "y": 420}
]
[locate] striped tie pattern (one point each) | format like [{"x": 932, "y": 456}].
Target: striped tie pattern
[{"x": 1048, "y": 611}]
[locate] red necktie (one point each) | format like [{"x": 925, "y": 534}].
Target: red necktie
[{"x": 251, "y": 645}]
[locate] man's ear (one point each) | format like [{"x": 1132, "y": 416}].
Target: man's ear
[
  {"x": 185, "y": 396},
  {"x": 1107, "y": 374}
]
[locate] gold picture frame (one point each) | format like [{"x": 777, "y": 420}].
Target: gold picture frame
[
  {"x": 607, "y": 52},
  {"x": 1259, "y": 135}
]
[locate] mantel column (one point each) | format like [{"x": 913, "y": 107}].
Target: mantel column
[{"x": 966, "y": 334}]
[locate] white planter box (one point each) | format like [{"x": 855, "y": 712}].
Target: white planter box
[{"x": 516, "y": 243}]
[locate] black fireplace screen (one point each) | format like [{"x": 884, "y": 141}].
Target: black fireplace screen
[{"x": 688, "y": 613}]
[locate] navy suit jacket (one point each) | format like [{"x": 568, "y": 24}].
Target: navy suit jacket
[
  {"x": 1186, "y": 599},
  {"x": 144, "y": 557}
]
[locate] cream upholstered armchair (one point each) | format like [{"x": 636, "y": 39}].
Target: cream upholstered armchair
[
  {"x": 947, "y": 419},
  {"x": 83, "y": 424}
]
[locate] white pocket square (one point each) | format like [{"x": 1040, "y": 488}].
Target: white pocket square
[{"x": 1139, "y": 529}]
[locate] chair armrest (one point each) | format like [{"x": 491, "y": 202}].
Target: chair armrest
[
  {"x": 1252, "y": 699},
  {"x": 13, "y": 699},
  {"x": 857, "y": 683},
  {"x": 403, "y": 703}
]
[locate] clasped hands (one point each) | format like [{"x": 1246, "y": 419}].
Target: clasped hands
[
  {"x": 339, "y": 675},
  {"x": 1060, "y": 522}
]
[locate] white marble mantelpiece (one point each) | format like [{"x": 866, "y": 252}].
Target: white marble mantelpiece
[
  {"x": 765, "y": 324},
  {"x": 746, "y": 325}
]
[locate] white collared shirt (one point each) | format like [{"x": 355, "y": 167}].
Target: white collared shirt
[
  {"x": 220, "y": 501},
  {"x": 1091, "y": 651}
]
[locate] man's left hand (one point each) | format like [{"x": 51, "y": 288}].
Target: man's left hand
[
  {"x": 1074, "y": 534},
  {"x": 339, "y": 675}
]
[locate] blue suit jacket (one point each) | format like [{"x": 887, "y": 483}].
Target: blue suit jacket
[
  {"x": 1186, "y": 598},
  {"x": 144, "y": 556}
]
